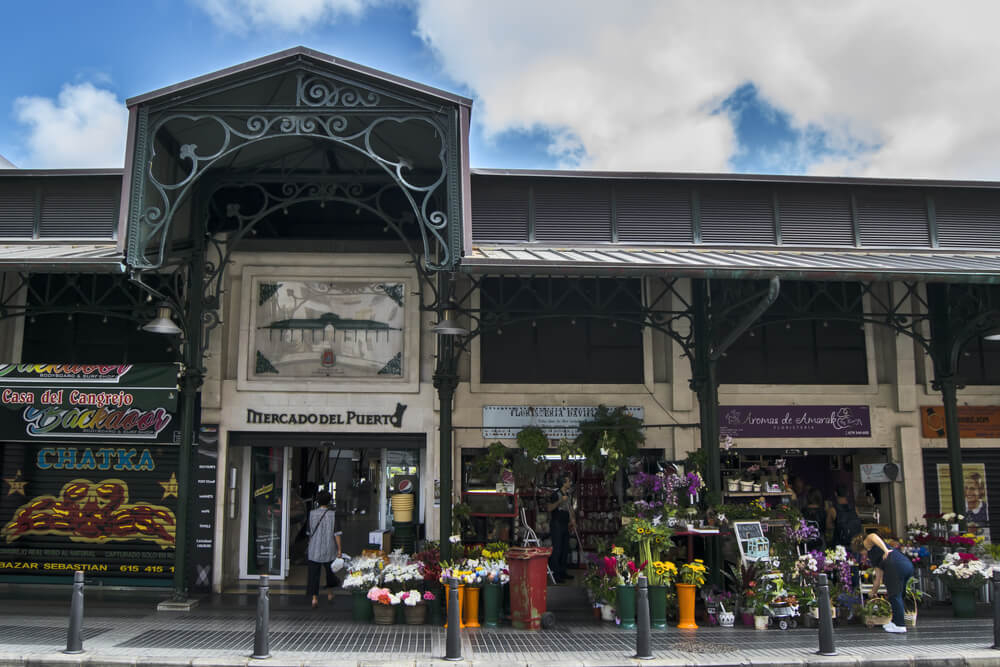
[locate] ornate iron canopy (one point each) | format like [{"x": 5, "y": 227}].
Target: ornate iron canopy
[{"x": 316, "y": 120}]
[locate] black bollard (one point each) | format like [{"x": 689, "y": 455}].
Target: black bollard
[
  {"x": 825, "y": 618},
  {"x": 642, "y": 651},
  {"x": 996, "y": 608},
  {"x": 74, "y": 639},
  {"x": 453, "y": 641},
  {"x": 261, "y": 645}
]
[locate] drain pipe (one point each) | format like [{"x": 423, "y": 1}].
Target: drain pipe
[{"x": 773, "y": 289}]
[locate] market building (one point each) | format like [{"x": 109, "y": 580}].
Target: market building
[{"x": 348, "y": 305}]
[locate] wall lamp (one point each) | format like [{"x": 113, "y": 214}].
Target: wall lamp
[
  {"x": 162, "y": 323},
  {"x": 449, "y": 327}
]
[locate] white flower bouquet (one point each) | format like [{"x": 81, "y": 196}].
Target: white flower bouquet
[{"x": 963, "y": 571}]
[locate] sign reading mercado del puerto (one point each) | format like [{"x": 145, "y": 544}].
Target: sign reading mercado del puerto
[
  {"x": 88, "y": 470},
  {"x": 795, "y": 421}
]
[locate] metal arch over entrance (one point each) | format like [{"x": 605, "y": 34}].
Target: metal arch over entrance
[{"x": 409, "y": 135}]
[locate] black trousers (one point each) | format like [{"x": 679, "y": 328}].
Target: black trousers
[
  {"x": 560, "y": 548},
  {"x": 896, "y": 569},
  {"x": 312, "y": 583}
]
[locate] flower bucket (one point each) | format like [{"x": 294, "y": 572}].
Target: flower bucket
[
  {"x": 746, "y": 618},
  {"x": 361, "y": 607},
  {"x": 626, "y": 607},
  {"x": 760, "y": 622},
  {"x": 685, "y": 606},
  {"x": 910, "y": 616},
  {"x": 733, "y": 484},
  {"x": 607, "y": 612},
  {"x": 385, "y": 614},
  {"x": 658, "y": 606},
  {"x": 470, "y": 607},
  {"x": 415, "y": 615},
  {"x": 746, "y": 486},
  {"x": 963, "y": 602},
  {"x": 492, "y": 597}
]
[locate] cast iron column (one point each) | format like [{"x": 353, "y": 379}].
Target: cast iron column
[
  {"x": 445, "y": 381},
  {"x": 705, "y": 385},
  {"x": 946, "y": 346},
  {"x": 190, "y": 385}
]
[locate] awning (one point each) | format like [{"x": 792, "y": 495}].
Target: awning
[
  {"x": 736, "y": 263},
  {"x": 62, "y": 257}
]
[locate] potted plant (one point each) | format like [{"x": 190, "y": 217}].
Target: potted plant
[
  {"x": 876, "y": 611},
  {"x": 414, "y": 607},
  {"x": 689, "y": 578},
  {"x": 533, "y": 442},
  {"x": 761, "y": 613},
  {"x": 627, "y": 574},
  {"x": 911, "y": 601},
  {"x": 963, "y": 573},
  {"x": 360, "y": 578},
  {"x": 746, "y": 484},
  {"x": 613, "y": 431},
  {"x": 383, "y": 605}
]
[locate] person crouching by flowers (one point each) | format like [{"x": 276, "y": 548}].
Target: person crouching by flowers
[{"x": 896, "y": 569}]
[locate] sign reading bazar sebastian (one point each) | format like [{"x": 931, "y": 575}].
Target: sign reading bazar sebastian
[
  {"x": 795, "y": 421},
  {"x": 981, "y": 421},
  {"x": 89, "y": 470}
]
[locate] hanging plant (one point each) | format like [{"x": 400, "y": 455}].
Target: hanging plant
[
  {"x": 533, "y": 441},
  {"x": 609, "y": 439},
  {"x": 497, "y": 457},
  {"x": 567, "y": 449}
]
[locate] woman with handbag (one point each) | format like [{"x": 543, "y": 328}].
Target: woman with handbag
[{"x": 324, "y": 547}]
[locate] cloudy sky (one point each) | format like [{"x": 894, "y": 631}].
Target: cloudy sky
[{"x": 858, "y": 88}]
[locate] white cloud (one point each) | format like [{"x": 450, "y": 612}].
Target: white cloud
[
  {"x": 83, "y": 127},
  {"x": 891, "y": 88},
  {"x": 635, "y": 84},
  {"x": 290, "y": 15}
]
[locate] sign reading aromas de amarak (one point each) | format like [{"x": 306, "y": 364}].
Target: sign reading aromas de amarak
[{"x": 795, "y": 421}]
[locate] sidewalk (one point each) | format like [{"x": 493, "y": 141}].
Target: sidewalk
[{"x": 33, "y": 632}]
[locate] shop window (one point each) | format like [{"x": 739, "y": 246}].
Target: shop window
[
  {"x": 800, "y": 346},
  {"x": 533, "y": 345}
]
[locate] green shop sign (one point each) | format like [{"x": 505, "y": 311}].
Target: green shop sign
[{"x": 81, "y": 402}]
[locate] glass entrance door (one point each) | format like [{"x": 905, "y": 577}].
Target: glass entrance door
[{"x": 266, "y": 525}]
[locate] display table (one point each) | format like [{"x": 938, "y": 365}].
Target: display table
[{"x": 691, "y": 532}]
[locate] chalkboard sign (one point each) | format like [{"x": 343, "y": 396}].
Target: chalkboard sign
[{"x": 750, "y": 538}]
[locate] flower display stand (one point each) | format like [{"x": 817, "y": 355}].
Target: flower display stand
[
  {"x": 658, "y": 606},
  {"x": 626, "y": 607},
  {"x": 470, "y": 607},
  {"x": 685, "y": 606},
  {"x": 361, "y": 607},
  {"x": 385, "y": 614},
  {"x": 461, "y": 604},
  {"x": 415, "y": 615},
  {"x": 492, "y": 598}
]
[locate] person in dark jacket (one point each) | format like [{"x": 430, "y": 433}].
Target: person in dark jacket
[{"x": 561, "y": 522}]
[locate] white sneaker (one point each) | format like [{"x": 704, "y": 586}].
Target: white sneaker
[{"x": 892, "y": 627}]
